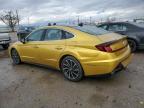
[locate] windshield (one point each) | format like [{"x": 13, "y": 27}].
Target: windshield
[{"x": 93, "y": 30}]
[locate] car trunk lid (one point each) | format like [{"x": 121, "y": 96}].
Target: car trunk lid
[{"x": 113, "y": 41}]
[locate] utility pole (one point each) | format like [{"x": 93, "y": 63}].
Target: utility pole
[
  {"x": 78, "y": 20},
  {"x": 18, "y": 24},
  {"x": 90, "y": 20},
  {"x": 18, "y": 18}
]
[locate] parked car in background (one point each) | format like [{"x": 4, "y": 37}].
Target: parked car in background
[
  {"x": 134, "y": 31},
  {"x": 76, "y": 51},
  {"x": 5, "y": 40},
  {"x": 23, "y": 31}
]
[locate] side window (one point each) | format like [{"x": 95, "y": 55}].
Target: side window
[
  {"x": 104, "y": 27},
  {"x": 35, "y": 36},
  {"x": 68, "y": 35},
  {"x": 124, "y": 28},
  {"x": 117, "y": 27},
  {"x": 53, "y": 34}
]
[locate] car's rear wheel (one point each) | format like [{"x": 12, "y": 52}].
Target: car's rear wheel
[
  {"x": 71, "y": 69},
  {"x": 15, "y": 56},
  {"x": 5, "y": 46},
  {"x": 132, "y": 44}
]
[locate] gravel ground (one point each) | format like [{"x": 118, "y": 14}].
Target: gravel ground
[{"x": 30, "y": 86}]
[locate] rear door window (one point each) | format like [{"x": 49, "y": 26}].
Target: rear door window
[
  {"x": 68, "y": 35},
  {"x": 53, "y": 34}
]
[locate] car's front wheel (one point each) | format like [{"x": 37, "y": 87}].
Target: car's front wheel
[
  {"x": 71, "y": 69},
  {"x": 15, "y": 56}
]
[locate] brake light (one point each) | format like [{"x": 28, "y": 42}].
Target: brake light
[{"x": 105, "y": 48}]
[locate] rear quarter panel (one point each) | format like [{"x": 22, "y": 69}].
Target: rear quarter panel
[{"x": 137, "y": 36}]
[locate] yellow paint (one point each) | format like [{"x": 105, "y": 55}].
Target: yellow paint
[{"x": 81, "y": 46}]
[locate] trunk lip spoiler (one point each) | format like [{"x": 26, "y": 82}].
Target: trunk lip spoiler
[
  {"x": 120, "y": 48},
  {"x": 112, "y": 42}
]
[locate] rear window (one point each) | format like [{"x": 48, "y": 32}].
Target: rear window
[
  {"x": 138, "y": 24},
  {"x": 93, "y": 30}
]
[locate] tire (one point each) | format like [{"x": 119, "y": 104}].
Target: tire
[
  {"x": 71, "y": 69},
  {"x": 132, "y": 44},
  {"x": 5, "y": 46},
  {"x": 15, "y": 57}
]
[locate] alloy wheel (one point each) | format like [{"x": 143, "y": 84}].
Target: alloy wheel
[
  {"x": 15, "y": 57},
  {"x": 72, "y": 69}
]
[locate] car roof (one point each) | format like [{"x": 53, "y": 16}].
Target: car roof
[
  {"x": 59, "y": 27},
  {"x": 65, "y": 28}
]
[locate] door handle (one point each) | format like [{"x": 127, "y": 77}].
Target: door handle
[
  {"x": 35, "y": 47},
  {"x": 59, "y": 48}
]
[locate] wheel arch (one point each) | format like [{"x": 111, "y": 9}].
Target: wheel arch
[
  {"x": 65, "y": 55},
  {"x": 134, "y": 39},
  {"x": 74, "y": 56},
  {"x": 12, "y": 48}
]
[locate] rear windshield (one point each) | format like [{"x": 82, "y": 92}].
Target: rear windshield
[
  {"x": 93, "y": 30},
  {"x": 139, "y": 24}
]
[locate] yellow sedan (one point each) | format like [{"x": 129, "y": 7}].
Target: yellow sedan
[{"x": 76, "y": 51}]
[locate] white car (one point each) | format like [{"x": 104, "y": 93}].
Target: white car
[{"x": 5, "y": 40}]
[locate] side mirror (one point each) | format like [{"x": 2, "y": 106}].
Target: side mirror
[{"x": 23, "y": 40}]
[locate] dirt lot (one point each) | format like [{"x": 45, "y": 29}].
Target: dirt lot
[{"x": 30, "y": 86}]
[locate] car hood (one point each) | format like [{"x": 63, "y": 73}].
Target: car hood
[{"x": 4, "y": 36}]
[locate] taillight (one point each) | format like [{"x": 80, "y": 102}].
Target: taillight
[{"x": 105, "y": 48}]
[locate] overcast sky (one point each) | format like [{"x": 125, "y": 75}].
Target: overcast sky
[{"x": 56, "y": 10}]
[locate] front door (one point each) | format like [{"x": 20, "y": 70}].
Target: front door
[{"x": 30, "y": 50}]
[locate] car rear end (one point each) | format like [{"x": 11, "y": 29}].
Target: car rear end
[
  {"x": 111, "y": 54},
  {"x": 118, "y": 50},
  {"x": 115, "y": 55}
]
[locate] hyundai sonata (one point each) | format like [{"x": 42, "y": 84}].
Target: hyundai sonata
[{"x": 76, "y": 51}]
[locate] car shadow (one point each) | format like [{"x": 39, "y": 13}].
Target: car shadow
[
  {"x": 3, "y": 53},
  {"x": 43, "y": 67},
  {"x": 58, "y": 73},
  {"x": 139, "y": 51}
]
